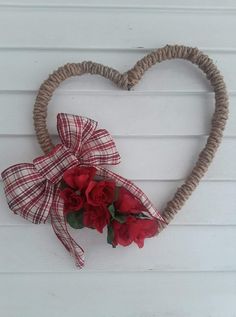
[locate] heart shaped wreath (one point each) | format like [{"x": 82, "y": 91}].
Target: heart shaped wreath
[{"x": 69, "y": 182}]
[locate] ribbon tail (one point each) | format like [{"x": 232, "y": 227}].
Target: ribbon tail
[
  {"x": 60, "y": 228},
  {"x": 135, "y": 190}
]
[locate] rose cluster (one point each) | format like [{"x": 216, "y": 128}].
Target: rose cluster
[{"x": 92, "y": 202}]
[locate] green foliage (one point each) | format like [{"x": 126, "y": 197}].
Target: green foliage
[
  {"x": 75, "y": 219},
  {"x": 116, "y": 215},
  {"x": 110, "y": 234}
]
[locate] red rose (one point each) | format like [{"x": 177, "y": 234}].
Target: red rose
[
  {"x": 79, "y": 177},
  {"x": 72, "y": 201},
  {"x": 128, "y": 203},
  {"x": 122, "y": 234},
  {"x": 100, "y": 193},
  {"x": 134, "y": 230},
  {"x": 143, "y": 228},
  {"x": 96, "y": 217}
]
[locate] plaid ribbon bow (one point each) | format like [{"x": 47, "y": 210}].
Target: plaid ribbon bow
[{"x": 32, "y": 190}]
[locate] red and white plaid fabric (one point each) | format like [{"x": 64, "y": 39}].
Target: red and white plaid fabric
[{"x": 32, "y": 190}]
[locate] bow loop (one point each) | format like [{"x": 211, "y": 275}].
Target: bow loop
[
  {"x": 74, "y": 131},
  {"x": 100, "y": 149},
  {"x": 55, "y": 163},
  {"x": 90, "y": 146},
  {"x": 28, "y": 193}
]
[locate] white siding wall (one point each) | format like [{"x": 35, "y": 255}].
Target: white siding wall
[{"x": 190, "y": 269}]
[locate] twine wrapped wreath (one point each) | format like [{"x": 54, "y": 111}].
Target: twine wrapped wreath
[
  {"x": 70, "y": 184},
  {"x": 128, "y": 80}
]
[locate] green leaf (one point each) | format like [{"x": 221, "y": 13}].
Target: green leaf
[
  {"x": 75, "y": 219},
  {"x": 141, "y": 216},
  {"x": 110, "y": 234},
  {"x": 120, "y": 218},
  {"x": 115, "y": 215},
  {"x": 112, "y": 210}
]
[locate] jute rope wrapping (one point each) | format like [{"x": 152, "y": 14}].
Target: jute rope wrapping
[{"x": 127, "y": 80}]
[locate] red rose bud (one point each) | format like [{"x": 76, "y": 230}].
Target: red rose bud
[
  {"x": 134, "y": 230},
  {"x": 128, "y": 203},
  {"x": 96, "y": 217},
  {"x": 79, "y": 177},
  {"x": 72, "y": 201},
  {"x": 100, "y": 193}
]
